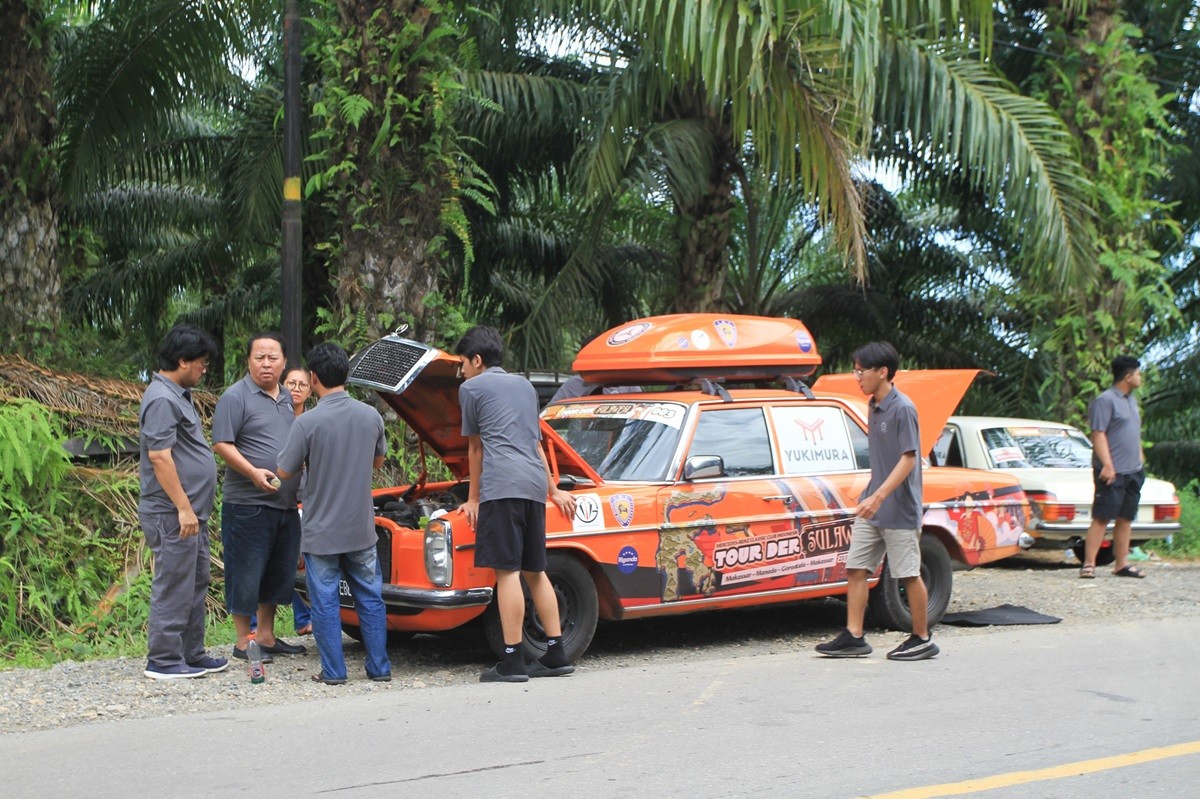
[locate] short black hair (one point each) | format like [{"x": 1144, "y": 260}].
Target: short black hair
[
  {"x": 329, "y": 363},
  {"x": 1123, "y": 366},
  {"x": 483, "y": 341},
  {"x": 185, "y": 343},
  {"x": 878, "y": 354},
  {"x": 267, "y": 334}
]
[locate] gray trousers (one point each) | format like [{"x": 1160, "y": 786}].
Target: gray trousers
[{"x": 175, "y": 630}]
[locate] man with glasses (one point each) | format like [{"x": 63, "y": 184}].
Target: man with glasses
[
  {"x": 888, "y": 516},
  {"x": 178, "y": 476},
  {"x": 260, "y": 526}
]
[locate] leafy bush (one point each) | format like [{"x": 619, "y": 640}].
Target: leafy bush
[
  {"x": 1185, "y": 543},
  {"x": 74, "y": 570},
  {"x": 1177, "y": 461}
]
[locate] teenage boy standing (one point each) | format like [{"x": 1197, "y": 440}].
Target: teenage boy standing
[
  {"x": 510, "y": 483},
  {"x": 888, "y": 516}
]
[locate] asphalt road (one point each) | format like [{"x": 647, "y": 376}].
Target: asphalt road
[{"x": 1056, "y": 701}]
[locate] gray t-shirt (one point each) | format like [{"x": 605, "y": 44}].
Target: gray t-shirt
[
  {"x": 576, "y": 386},
  {"x": 258, "y": 426},
  {"x": 502, "y": 409},
  {"x": 892, "y": 430},
  {"x": 168, "y": 420},
  {"x": 1117, "y": 416},
  {"x": 339, "y": 440}
]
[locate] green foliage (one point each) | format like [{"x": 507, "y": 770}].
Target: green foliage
[
  {"x": 1177, "y": 461},
  {"x": 1185, "y": 543}
]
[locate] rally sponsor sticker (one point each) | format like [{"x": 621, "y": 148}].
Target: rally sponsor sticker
[
  {"x": 726, "y": 331},
  {"x": 628, "y": 334},
  {"x": 804, "y": 341},
  {"x": 627, "y": 560},
  {"x": 622, "y": 508},
  {"x": 700, "y": 339},
  {"x": 589, "y": 515}
]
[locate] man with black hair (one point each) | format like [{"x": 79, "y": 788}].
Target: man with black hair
[
  {"x": 1117, "y": 467},
  {"x": 342, "y": 441},
  {"x": 888, "y": 516},
  {"x": 260, "y": 526},
  {"x": 178, "y": 476},
  {"x": 510, "y": 484}
]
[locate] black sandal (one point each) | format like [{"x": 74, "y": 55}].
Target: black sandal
[{"x": 1129, "y": 571}]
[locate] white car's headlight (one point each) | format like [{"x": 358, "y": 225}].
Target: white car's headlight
[{"x": 439, "y": 548}]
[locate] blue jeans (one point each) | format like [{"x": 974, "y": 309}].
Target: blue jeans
[{"x": 361, "y": 571}]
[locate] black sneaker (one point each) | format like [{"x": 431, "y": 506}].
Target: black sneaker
[
  {"x": 282, "y": 647},
  {"x": 495, "y": 675},
  {"x": 845, "y": 646},
  {"x": 240, "y": 654},
  {"x": 914, "y": 648}
]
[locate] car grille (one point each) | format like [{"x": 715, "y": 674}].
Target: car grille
[{"x": 390, "y": 364}]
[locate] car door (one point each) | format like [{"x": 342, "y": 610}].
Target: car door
[
  {"x": 825, "y": 466},
  {"x": 726, "y": 534}
]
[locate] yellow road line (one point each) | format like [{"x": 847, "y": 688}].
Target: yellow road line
[{"x": 1038, "y": 775}]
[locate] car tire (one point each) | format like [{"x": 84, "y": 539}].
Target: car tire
[
  {"x": 1104, "y": 555},
  {"x": 887, "y": 605},
  {"x": 395, "y": 638},
  {"x": 578, "y": 611}
]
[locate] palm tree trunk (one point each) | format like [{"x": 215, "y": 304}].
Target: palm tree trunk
[
  {"x": 707, "y": 227},
  {"x": 29, "y": 280}
]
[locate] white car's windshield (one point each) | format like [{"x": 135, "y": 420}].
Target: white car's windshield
[
  {"x": 620, "y": 440},
  {"x": 1037, "y": 447}
]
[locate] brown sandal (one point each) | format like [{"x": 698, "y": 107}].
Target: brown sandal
[{"x": 1087, "y": 572}]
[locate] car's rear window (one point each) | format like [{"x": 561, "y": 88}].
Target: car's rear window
[
  {"x": 1037, "y": 447},
  {"x": 620, "y": 440}
]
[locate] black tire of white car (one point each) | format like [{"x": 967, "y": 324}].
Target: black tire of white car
[
  {"x": 578, "y": 611},
  {"x": 887, "y": 606}
]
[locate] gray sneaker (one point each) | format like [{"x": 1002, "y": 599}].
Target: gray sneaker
[
  {"x": 845, "y": 646},
  {"x": 914, "y": 648}
]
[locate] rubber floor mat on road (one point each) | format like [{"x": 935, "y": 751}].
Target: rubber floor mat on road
[{"x": 999, "y": 615}]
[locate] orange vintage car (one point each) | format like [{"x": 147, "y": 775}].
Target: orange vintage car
[{"x": 725, "y": 483}]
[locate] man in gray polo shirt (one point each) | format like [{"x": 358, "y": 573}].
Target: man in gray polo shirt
[
  {"x": 888, "y": 516},
  {"x": 510, "y": 484},
  {"x": 178, "y": 477},
  {"x": 1117, "y": 467},
  {"x": 342, "y": 441},
  {"x": 260, "y": 526}
]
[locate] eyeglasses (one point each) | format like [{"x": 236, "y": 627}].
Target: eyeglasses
[
  {"x": 296, "y": 384},
  {"x": 861, "y": 372}
]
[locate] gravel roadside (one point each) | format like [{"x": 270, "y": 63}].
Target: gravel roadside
[{"x": 72, "y": 693}]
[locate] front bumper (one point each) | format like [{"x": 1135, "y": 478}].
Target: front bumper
[{"x": 408, "y": 600}]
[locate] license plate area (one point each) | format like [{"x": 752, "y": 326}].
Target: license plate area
[{"x": 344, "y": 598}]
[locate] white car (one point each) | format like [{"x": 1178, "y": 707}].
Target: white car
[{"x": 1053, "y": 461}]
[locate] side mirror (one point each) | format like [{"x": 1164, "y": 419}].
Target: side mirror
[{"x": 698, "y": 467}]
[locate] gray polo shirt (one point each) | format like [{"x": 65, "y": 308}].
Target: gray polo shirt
[
  {"x": 1117, "y": 416},
  {"x": 502, "y": 409},
  {"x": 892, "y": 430},
  {"x": 339, "y": 440},
  {"x": 168, "y": 420},
  {"x": 247, "y": 417}
]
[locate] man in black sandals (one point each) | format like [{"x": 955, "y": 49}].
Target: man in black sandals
[{"x": 1117, "y": 467}]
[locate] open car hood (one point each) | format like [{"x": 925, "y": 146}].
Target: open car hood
[
  {"x": 420, "y": 383},
  {"x": 935, "y": 392}
]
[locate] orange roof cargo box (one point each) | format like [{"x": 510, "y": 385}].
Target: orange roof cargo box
[{"x": 685, "y": 347}]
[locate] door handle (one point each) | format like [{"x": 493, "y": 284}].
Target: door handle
[{"x": 787, "y": 499}]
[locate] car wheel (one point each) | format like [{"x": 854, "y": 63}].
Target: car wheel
[
  {"x": 578, "y": 611},
  {"x": 887, "y": 605},
  {"x": 395, "y": 638},
  {"x": 1104, "y": 555}
]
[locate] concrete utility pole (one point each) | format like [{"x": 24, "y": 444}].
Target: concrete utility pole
[{"x": 290, "y": 270}]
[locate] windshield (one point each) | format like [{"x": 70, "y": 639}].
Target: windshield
[
  {"x": 620, "y": 440},
  {"x": 1038, "y": 448}
]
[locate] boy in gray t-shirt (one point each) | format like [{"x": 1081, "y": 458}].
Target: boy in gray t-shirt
[{"x": 510, "y": 483}]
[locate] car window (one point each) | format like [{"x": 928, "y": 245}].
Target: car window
[
  {"x": 1038, "y": 447},
  {"x": 620, "y": 440},
  {"x": 816, "y": 439},
  {"x": 739, "y": 436}
]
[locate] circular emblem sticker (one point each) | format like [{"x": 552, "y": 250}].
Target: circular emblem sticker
[
  {"x": 804, "y": 341},
  {"x": 700, "y": 339},
  {"x": 627, "y": 560},
  {"x": 628, "y": 334}
]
